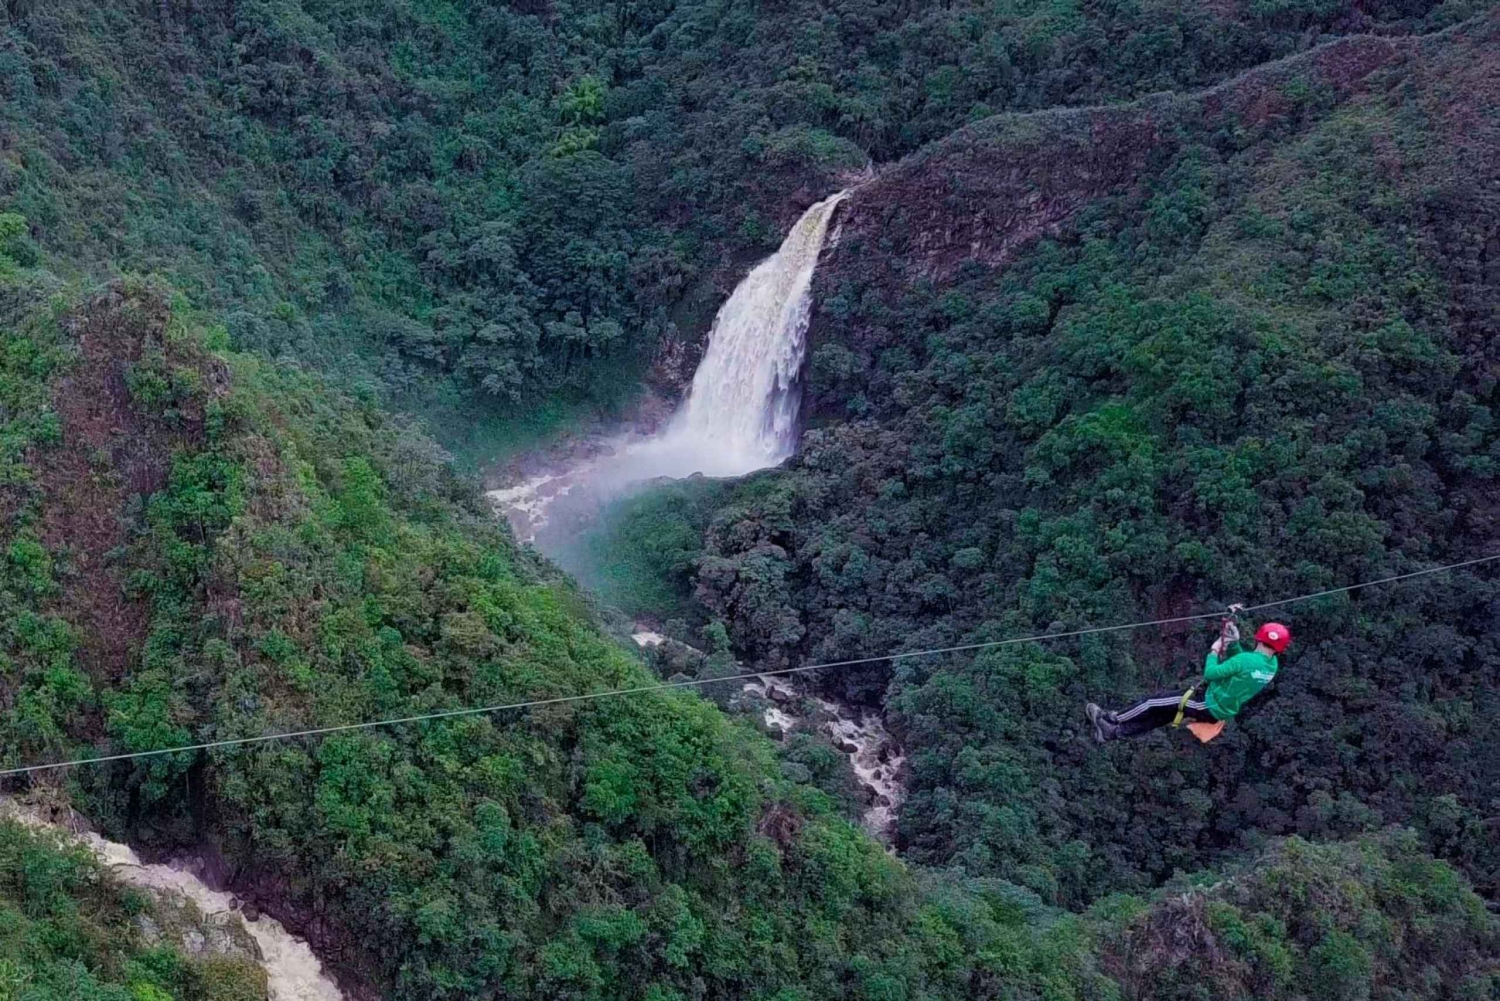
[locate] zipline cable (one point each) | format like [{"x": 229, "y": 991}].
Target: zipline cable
[
  {"x": 1374, "y": 583},
  {"x": 695, "y": 682}
]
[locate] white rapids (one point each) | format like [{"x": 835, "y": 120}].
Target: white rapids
[
  {"x": 876, "y": 760},
  {"x": 874, "y": 756},
  {"x": 777, "y": 691},
  {"x": 293, "y": 973}
]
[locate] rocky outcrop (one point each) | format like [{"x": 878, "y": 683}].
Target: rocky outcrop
[
  {"x": 122, "y": 410},
  {"x": 991, "y": 188}
]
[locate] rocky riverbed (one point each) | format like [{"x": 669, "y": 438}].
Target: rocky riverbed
[
  {"x": 221, "y": 924},
  {"x": 874, "y": 755}
]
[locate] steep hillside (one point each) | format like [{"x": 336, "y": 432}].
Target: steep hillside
[
  {"x": 288, "y": 558},
  {"x": 255, "y": 553},
  {"x": 465, "y": 203},
  {"x": 1114, "y": 364},
  {"x": 1069, "y": 367},
  {"x": 201, "y": 546},
  {"x": 981, "y": 194},
  {"x": 1334, "y": 921}
]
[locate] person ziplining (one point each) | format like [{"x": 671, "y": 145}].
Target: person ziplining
[
  {"x": 1232, "y": 676},
  {"x": 1230, "y": 682}
]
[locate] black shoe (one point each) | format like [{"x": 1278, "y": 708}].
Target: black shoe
[{"x": 1104, "y": 727}]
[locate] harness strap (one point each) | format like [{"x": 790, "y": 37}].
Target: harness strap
[{"x": 1182, "y": 706}]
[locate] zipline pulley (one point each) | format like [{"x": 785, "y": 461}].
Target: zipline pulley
[{"x": 1229, "y": 634}]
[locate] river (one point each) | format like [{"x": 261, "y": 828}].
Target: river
[
  {"x": 740, "y": 415},
  {"x": 293, "y": 973},
  {"x": 874, "y": 756}
]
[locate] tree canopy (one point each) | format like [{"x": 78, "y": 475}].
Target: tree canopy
[
  {"x": 469, "y": 207},
  {"x": 1244, "y": 349},
  {"x": 1268, "y": 369}
]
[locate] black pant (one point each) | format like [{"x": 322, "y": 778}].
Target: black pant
[{"x": 1159, "y": 709}]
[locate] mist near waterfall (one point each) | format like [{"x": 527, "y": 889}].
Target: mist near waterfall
[{"x": 739, "y": 416}]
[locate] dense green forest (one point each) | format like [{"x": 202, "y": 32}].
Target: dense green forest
[
  {"x": 1269, "y": 369},
  {"x": 1256, "y": 356},
  {"x": 302, "y": 559},
  {"x": 477, "y": 208}
]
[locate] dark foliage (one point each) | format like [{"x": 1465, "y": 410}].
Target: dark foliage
[
  {"x": 462, "y": 202},
  {"x": 1268, "y": 368}
]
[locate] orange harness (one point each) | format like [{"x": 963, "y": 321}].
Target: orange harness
[{"x": 1203, "y": 731}]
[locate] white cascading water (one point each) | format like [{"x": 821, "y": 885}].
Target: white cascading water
[
  {"x": 293, "y": 973},
  {"x": 741, "y": 414}
]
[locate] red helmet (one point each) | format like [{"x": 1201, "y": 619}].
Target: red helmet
[{"x": 1274, "y": 635}]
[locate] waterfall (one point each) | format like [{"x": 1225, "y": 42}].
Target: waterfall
[{"x": 741, "y": 414}]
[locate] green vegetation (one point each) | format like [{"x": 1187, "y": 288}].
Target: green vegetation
[
  {"x": 1265, "y": 365},
  {"x": 306, "y": 560},
  {"x": 639, "y": 556},
  {"x": 69, "y": 932},
  {"x": 471, "y": 207},
  {"x": 1373, "y": 918},
  {"x": 1267, "y": 369}
]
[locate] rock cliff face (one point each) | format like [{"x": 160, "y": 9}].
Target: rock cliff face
[
  {"x": 998, "y": 185},
  {"x": 989, "y": 189},
  {"x": 993, "y": 187},
  {"x": 978, "y": 198}
]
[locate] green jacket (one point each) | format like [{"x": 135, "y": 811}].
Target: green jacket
[{"x": 1236, "y": 680}]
